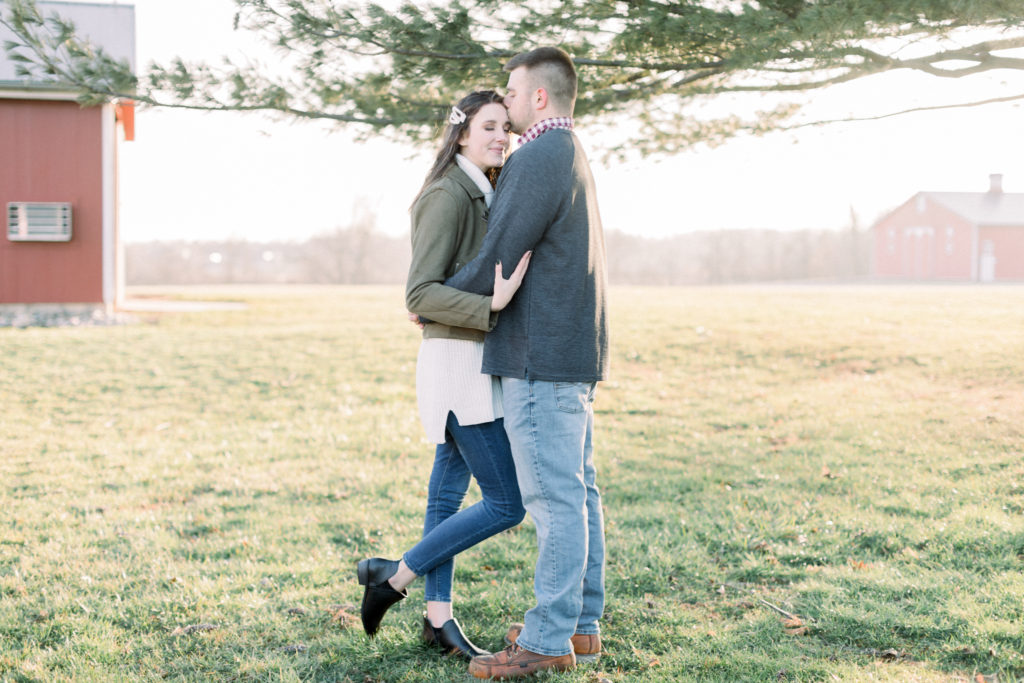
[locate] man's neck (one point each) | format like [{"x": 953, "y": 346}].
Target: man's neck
[
  {"x": 543, "y": 126},
  {"x": 548, "y": 114}
]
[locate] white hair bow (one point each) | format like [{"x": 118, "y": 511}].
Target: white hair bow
[{"x": 457, "y": 116}]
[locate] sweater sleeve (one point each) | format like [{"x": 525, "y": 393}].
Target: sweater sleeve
[
  {"x": 530, "y": 191},
  {"x": 434, "y": 241}
]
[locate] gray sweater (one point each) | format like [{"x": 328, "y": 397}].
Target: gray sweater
[{"x": 556, "y": 327}]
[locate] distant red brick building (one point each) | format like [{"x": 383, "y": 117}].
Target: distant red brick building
[
  {"x": 58, "y": 180},
  {"x": 965, "y": 236}
]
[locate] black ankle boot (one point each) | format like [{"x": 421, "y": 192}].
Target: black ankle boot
[
  {"x": 378, "y": 596},
  {"x": 450, "y": 639}
]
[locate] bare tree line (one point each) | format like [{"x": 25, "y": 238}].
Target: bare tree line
[
  {"x": 359, "y": 254},
  {"x": 739, "y": 256}
]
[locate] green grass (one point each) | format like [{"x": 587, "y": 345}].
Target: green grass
[{"x": 850, "y": 456}]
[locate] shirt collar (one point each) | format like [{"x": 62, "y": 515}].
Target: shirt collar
[
  {"x": 535, "y": 131},
  {"x": 477, "y": 176}
]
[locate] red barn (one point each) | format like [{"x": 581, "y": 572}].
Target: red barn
[
  {"x": 967, "y": 236},
  {"x": 58, "y": 179}
]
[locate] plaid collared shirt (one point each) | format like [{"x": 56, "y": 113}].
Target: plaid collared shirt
[{"x": 535, "y": 131}]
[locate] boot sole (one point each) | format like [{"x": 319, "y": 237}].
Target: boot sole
[{"x": 581, "y": 659}]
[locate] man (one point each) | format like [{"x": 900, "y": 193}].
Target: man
[{"x": 550, "y": 347}]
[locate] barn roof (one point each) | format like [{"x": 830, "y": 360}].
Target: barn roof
[
  {"x": 106, "y": 25},
  {"x": 984, "y": 208}
]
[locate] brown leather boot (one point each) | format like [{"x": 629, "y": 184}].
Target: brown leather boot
[
  {"x": 586, "y": 646},
  {"x": 515, "y": 662}
]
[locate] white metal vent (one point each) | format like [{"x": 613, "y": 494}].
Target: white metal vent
[{"x": 39, "y": 221}]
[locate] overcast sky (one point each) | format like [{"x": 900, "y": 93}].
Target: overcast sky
[{"x": 222, "y": 175}]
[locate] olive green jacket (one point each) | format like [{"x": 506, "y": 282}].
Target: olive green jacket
[{"x": 448, "y": 224}]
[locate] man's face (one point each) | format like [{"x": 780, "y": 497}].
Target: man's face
[{"x": 517, "y": 100}]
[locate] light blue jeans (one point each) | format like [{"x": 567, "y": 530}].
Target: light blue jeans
[{"x": 549, "y": 426}]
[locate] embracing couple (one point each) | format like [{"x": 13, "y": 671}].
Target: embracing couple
[{"x": 508, "y": 397}]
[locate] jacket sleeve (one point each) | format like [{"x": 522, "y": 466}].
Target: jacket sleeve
[
  {"x": 529, "y": 196},
  {"x": 434, "y": 243}
]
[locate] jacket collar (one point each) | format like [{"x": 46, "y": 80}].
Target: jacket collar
[
  {"x": 477, "y": 176},
  {"x": 460, "y": 177}
]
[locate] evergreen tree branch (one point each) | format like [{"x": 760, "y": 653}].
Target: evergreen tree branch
[
  {"x": 913, "y": 110},
  {"x": 396, "y": 72}
]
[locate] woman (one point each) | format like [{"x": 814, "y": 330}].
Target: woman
[{"x": 460, "y": 408}]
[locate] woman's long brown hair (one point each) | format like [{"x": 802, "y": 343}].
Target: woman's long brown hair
[{"x": 470, "y": 105}]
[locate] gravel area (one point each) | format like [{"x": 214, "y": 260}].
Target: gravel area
[{"x": 22, "y": 316}]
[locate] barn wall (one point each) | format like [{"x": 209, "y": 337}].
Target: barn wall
[
  {"x": 51, "y": 151},
  {"x": 1008, "y": 250},
  {"x": 923, "y": 240}
]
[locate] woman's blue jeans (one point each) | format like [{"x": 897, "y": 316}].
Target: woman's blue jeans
[{"x": 481, "y": 451}]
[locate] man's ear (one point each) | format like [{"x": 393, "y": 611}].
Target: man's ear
[{"x": 541, "y": 98}]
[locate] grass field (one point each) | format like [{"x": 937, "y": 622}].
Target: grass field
[{"x": 801, "y": 484}]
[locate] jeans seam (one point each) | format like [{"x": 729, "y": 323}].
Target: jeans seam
[
  {"x": 553, "y": 574},
  {"x": 432, "y": 582}
]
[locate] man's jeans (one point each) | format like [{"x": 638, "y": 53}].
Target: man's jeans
[
  {"x": 482, "y": 451},
  {"x": 549, "y": 426}
]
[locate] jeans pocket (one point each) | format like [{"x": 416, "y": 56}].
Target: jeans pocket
[{"x": 573, "y": 397}]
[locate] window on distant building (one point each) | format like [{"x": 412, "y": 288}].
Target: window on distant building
[{"x": 949, "y": 240}]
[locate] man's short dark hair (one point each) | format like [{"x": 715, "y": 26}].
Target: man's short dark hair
[{"x": 555, "y": 71}]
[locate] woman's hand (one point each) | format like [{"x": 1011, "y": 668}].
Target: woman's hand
[{"x": 504, "y": 289}]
